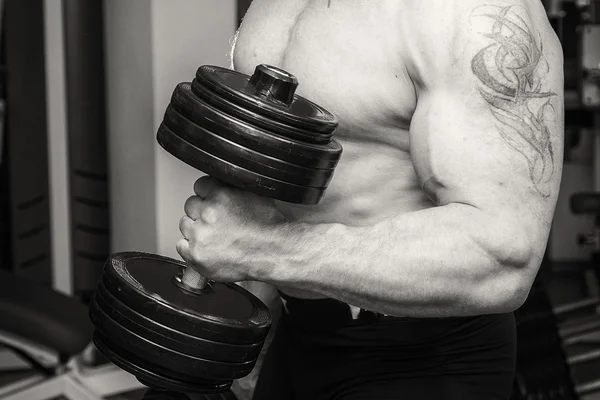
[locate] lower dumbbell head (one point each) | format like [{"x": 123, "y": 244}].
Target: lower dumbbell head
[
  {"x": 153, "y": 394},
  {"x": 162, "y": 321},
  {"x": 170, "y": 337}
]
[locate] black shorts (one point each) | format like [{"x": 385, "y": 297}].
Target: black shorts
[{"x": 320, "y": 351}]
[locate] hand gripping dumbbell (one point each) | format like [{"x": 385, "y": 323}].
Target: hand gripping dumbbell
[{"x": 176, "y": 331}]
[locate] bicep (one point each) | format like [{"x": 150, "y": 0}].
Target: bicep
[{"x": 488, "y": 128}]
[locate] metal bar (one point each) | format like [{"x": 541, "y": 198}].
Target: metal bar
[
  {"x": 583, "y": 358},
  {"x": 588, "y": 388},
  {"x": 47, "y": 389},
  {"x": 579, "y": 329},
  {"x": 43, "y": 355},
  {"x": 21, "y": 385},
  {"x": 559, "y": 311},
  {"x": 62, "y": 269},
  {"x": 74, "y": 390},
  {"x": 107, "y": 380},
  {"x": 596, "y": 161},
  {"x": 585, "y": 338}
]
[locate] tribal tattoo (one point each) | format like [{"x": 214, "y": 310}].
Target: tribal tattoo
[{"x": 511, "y": 71}]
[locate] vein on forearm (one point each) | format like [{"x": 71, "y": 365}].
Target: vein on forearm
[{"x": 436, "y": 262}]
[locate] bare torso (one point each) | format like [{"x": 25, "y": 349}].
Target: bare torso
[{"x": 346, "y": 59}]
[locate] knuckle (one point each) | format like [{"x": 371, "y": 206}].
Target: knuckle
[
  {"x": 196, "y": 258},
  {"x": 223, "y": 196},
  {"x": 209, "y": 215}
]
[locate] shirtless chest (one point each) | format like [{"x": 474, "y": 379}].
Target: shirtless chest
[{"x": 346, "y": 55}]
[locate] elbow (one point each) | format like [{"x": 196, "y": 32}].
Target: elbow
[
  {"x": 502, "y": 295},
  {"x": 512, "y": 297},
  {"x": 508, "y": 280}
]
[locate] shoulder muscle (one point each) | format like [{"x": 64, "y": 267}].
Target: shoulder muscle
[{"x": 488, "y": 127}]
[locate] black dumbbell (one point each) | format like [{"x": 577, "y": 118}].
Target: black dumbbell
[{"x": 163, "y": 322}]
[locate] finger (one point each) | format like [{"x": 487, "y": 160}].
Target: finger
[
  {"x": 193, "y": 207},
  {"x": 204, "y": 186},
  {"x": 183, "y": 248},
  {"x": 186, "y": 227},
  {"x": 201, "y": 210}
]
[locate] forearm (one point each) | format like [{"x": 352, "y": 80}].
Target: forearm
[{"x": 443, "y": 261}]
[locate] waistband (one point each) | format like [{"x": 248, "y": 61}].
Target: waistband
[
  {"x": 328, "y": 312},
  {"x": 333, "y": 322}
]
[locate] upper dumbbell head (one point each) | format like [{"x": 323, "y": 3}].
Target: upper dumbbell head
[
  {"x": 274, "y": 83},
  {"x": 164, "y": 322},
  {"x": 253, "y": 132}
]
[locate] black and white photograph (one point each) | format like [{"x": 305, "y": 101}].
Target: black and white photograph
[{"x": 299, "y": 199}]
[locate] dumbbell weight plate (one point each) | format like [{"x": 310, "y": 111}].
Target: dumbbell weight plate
[
  {"x": 151, "y": 375},
  {"x": 235, "y": 175},
  {"x": 224, "y": 312},
  {"x": 163, "y": 358},
  {"x": 310, "y": 155},
  {"x": 235, "y": 87},
  {"x": 270, "y": 124},
  {"x": 246, "y": 158},
  {"x": 152, "y": 394},
  {"x": 168, "y": 337}
]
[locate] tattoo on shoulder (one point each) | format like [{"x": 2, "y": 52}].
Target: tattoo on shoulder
[{"x": 511, "y": 70}]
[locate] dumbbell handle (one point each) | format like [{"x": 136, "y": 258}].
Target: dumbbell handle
[
  {"x": 192, "y": 278},
  {"x": 191, "y": 281},
  {"x": 275, "y": 85}
]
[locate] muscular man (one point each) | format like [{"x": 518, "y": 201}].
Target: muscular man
[{"x": 401, "y": 284}]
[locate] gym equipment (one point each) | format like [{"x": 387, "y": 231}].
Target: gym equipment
[
  {"x": 226, "y": 125},
  {"x": 546, "y": 369},
  {"x": 151, "y": 326},
  {"x": 163, "y": 322},
  {"x": 589, "y": 204},
  {"x": 47, "y": 334}
]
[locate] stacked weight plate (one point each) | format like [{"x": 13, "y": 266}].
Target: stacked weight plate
[
  {"x": 173, "y": 339},
  {"x": 253, "y": 133}
]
